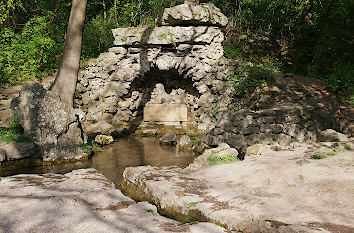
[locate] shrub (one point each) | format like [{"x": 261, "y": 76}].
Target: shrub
[{"x": 25, "y": 56}]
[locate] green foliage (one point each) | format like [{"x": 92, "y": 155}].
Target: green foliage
[
  {"x": 94, "y": 121},
  {"x": 7, "y": 7},
  {"x": 331, "y": 153},
  {"x": 13, "y": 133},
  {"x": 246, "y": 78},
  {"x": 23, "y": 56},
  {"x": 319, "y": 156},
  {"x": 97, "y": 37},
  {"x": 90, "y": 147},
  {"x": 214, "y": 160},
  {"x": 191, "y": 204}
]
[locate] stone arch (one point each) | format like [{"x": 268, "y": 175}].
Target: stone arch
[{"x": 192, "y": 56}]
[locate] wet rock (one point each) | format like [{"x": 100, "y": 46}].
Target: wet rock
[
  {"x": 168, "y": 139},
  {"x": 54, "y": 127},
  {"x": 104, "y": 139}
]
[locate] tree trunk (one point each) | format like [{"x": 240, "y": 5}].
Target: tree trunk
[
  {"x": 191, "y": 2},
  {"x": 65, "y": 83}
]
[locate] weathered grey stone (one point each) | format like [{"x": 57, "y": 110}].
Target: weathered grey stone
[
  {"x": 330, "y": 135},
  {"x": 186, "y": 14},
  {"x": 236, "y": 141},
  {"x": 223, "y": 150},
  {"x": 167, "y": 35},
  {"x": 104, "y": 139},
  {"x": 184, "y": 141},
  {"x": 52, "y": 125},
  {"x": 13, "y": 151},
  {"x": 82, "y": 200},
  {"x": 168, "y": 139}
]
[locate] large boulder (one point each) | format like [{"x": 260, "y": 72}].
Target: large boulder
[
  {"x": 193, "y": 15},
  {"x": 54, "y": 127}
]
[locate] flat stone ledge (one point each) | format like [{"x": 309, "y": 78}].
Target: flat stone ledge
[
  {"x": 167, "y": 35},
  {"x": 184, "y": 14},
  {"x": 165, "y": 112}
]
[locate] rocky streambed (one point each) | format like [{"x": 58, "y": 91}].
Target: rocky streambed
[{"x": 272, "y": 190}]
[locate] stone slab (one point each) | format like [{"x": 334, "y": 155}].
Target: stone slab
[
  {"x": 80, "y": 201},
  {"x": 165, "y": 112},
  {"x": 271, "y": 192},
  {"x": 184, "y": 14},
  {"x": 167, "y": 35}
]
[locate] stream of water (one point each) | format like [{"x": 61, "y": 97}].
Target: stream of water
[{"x": 127, "y": 152}]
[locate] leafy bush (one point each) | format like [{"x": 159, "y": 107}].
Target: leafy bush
[
  {"x": 97, "y": 37},
  {"x": 246, "y": 78},
  {"x": 24, "y": 56}
]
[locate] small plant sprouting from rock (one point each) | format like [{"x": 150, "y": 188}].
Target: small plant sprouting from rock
[
  {"x": 194, "y": 140},
  {"x": 217, "y": 151},
  {"x": 214, "y": 160},
  {"x": 322, "y": 155},
  {"x": 216, "y": 112},
  {"x": 149, "y": 211},
  {"x": 94, "y": 121},
  {"x": 90, "y": 147},
  {"x": 191, "y": 204},
  {"x": 319, "y": 155}
]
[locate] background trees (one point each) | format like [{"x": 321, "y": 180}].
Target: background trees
[{"x": 313, "y": 38}]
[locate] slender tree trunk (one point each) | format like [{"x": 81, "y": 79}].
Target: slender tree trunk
[{"x": 65, "y": 83}]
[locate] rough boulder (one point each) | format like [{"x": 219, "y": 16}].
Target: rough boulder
[{"x": 52, "y": 125}]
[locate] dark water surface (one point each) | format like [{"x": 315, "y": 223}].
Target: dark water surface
[{"x": 127, "y": 152}]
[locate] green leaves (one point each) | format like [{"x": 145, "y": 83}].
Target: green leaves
[{"x": 23, "y": 56}]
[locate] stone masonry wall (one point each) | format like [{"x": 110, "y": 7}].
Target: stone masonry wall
[
  {"x": 281, "y": 125},
  {"x": 188, "y": 60}
]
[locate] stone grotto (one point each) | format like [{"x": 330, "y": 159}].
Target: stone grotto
[{"x": 178, "y": 64}]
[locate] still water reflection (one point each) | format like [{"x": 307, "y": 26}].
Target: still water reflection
[{"x": 127, "y": 152}]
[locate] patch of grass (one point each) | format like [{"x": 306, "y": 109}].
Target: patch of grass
[
  {"x": 217, "y": 151},
  {"x": 188, "y": 219},
  {"x": 319, "y": 155},
  {"x": 149, "y": 211},
  {"x": 332, "y": 153},
  {"x": 193, "y": 139},
  {"x": 191, "y": 204},
  {"x": 13, "y": 133},
  {"x": 339, "y": 150},
  {"x": 214, "y": 160},
  {"x": 347, "y": 147},
  {"x": 90, "y": 147}
]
